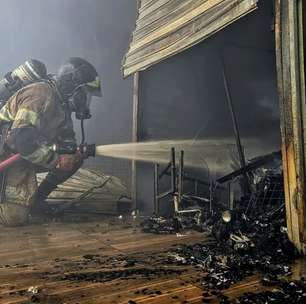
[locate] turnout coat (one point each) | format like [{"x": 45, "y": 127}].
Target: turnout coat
[{"x": 32, "y": 120}]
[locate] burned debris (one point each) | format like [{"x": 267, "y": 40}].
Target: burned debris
[
  {"x": 124, "y": 267},
  {"x": 286, "y": 292},
  {"x": 125, "y": 274},
  {"x": 249, "y": 238},
  {"x": 79, "y": 198},
  {"x": 254, "y": 245},
  {"x": 159, "y": 225}
]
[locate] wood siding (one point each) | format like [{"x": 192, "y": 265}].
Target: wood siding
[
  {"x": 167, "y": 27},
  {"x": 290, "y": 70}
]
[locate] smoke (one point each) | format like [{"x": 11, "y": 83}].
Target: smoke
[
  {"x": 184, "y": 96},
  {"x": 98, "y": 30}
]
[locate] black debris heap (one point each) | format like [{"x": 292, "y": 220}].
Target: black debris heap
[
  {"x": 251, "y": 238},
  {"x": 159, "y": 225},
  {"x": 162, "y": 225},
  {"x": 248, "y": 241},
  {"x": 286, "y": 292},
  {"x": 126, "y": 274},
  {"x": 99, "y": 268}
]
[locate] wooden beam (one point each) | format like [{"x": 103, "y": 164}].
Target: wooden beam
[
  {"x": 135, "y": 137},
  {"x": 291, "y": 86},
  {"x": 301, "y": 11},
  {"x": 135, "y": 119}
]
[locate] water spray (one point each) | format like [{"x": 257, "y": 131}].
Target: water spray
[{"x": 216, "y": 153}]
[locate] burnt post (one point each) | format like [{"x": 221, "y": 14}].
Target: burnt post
[
  {"x": 181, "y": 177},
  {"x": 290, "y": 47},
  {"x": 236, "y": 131},
  {"x": 156, "y": 189},
  {"x": 173, "y": 171}
]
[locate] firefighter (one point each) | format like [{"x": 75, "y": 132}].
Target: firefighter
[{"x": 32, "y": 121}]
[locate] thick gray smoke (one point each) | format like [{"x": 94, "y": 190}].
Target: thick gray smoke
[
  {"x": 98, "y": 30},
  {"x": 184, "y": 96},
  {"x": 180, "y": 98}
]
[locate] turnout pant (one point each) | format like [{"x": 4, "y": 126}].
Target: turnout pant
[{"x": 21, "y": 191}]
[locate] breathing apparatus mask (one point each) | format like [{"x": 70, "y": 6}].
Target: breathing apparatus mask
[
  {"x": 78, "y": 81},
  {"x": 80, "y": 101},
  {"x": 81, "y": 98}
]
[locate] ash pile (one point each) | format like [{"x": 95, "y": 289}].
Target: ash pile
[
  {"x": 244, "y": 246},
  {"x": 250, "y": 234},
  {"x": 287, "y": 292}
]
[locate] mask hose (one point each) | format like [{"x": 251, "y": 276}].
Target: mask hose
[{"x": 82, "y": 132}]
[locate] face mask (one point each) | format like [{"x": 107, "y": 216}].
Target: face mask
[{"x": 80, "y": 102}]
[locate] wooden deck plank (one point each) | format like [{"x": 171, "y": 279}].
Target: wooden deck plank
[
  {"x": 36, "y": 255},
  {"x": 44, "y": 256}
]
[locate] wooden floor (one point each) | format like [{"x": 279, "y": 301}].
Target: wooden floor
[{"x": 44, "y": 256}]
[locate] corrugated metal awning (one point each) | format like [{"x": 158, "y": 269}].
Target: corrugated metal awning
[{"x": 167, "y": 27}]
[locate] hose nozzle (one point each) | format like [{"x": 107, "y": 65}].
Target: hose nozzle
[{"x": 87, "y": 150}]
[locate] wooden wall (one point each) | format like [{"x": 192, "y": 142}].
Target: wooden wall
[{"x": 291, "y": 84}]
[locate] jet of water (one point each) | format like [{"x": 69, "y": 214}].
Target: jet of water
[{"x": 214, "y": 155}]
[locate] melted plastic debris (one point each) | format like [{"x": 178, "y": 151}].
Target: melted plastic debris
[
  {"x": 105, "y": 276},
  {"x": 286, "y": 292},
  {"x": 159, "y": 225},
  {"x": 253, "y": 239},
  {"x": 245, "y": 246}
]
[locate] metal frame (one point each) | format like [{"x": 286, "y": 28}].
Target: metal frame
[{"x": 176, "y": 191}]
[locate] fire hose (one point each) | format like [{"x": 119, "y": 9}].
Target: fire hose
[{"x": 86, "y": 150}]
